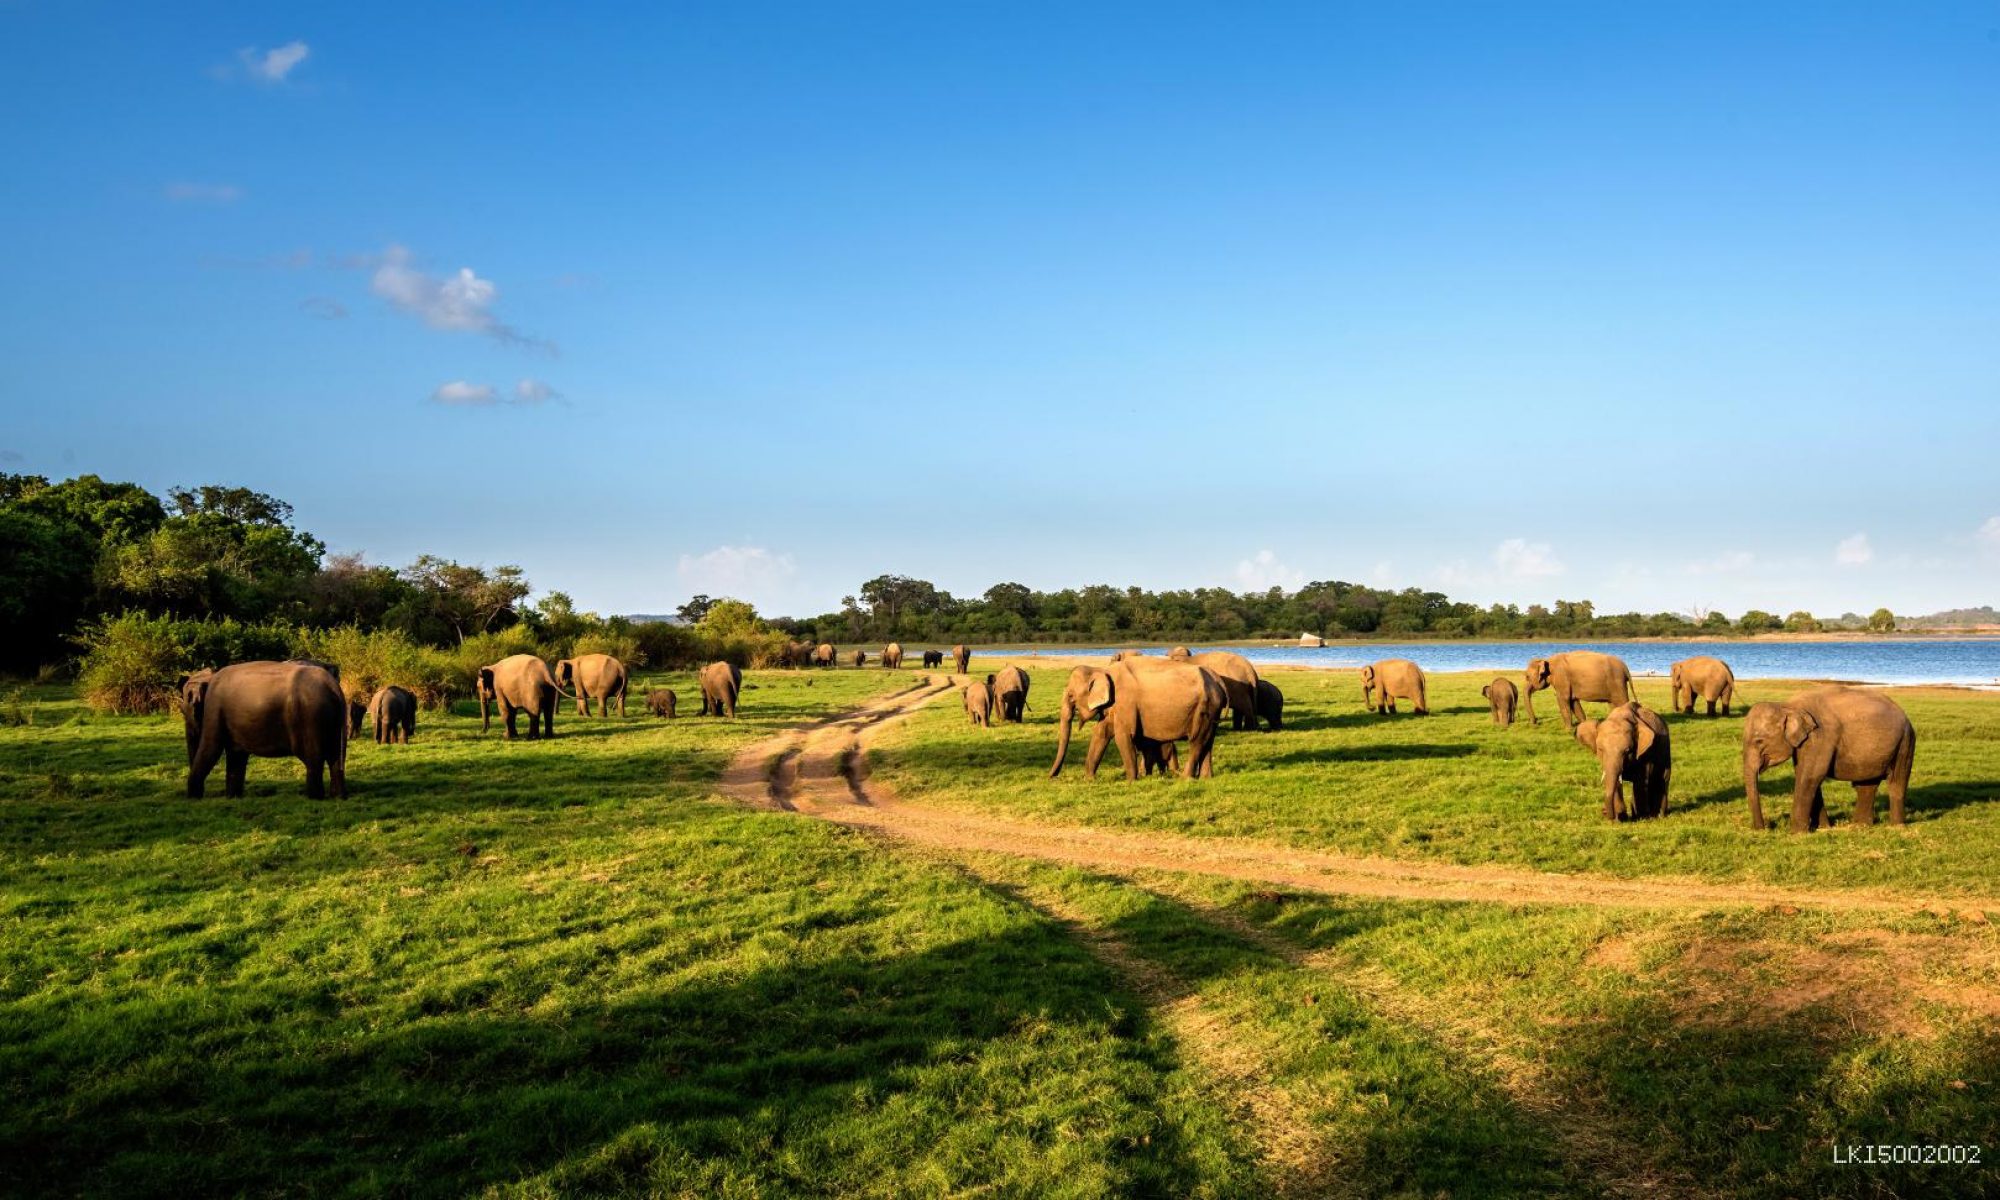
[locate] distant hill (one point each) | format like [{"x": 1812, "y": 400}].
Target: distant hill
[{"x": 1954, "y": 618}]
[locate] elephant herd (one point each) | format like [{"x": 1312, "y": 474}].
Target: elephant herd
[{"x": 1146, "y": 706}]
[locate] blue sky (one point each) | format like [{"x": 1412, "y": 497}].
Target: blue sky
[{"x": 1660, "y": 305}]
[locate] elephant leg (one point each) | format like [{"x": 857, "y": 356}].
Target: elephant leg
[
  {"x": 508, "y": 712},
  {"x": 1864, "y": 803},
  {"x": 549, "y": 718},
  {"x": 336, "y": 769},
  {"x": 1100, "y": 739},
  {"x": 235, "y": 773},
  {"x": 315, "y": 777}
]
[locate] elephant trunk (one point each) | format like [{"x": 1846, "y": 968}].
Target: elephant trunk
[
  {"x": 1751, "y": 766},
  {"x": 1614, "y": 769},
  {"x": 1528, "y": 694},
  {"x": 1062, "y": 735},
  {"x": 485, "y": 716}
]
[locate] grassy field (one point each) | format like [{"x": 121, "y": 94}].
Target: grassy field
[{"x": 568, "y": 968}]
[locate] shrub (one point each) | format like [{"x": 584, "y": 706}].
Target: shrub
[
  {"x": 131, "y": 661},
  {"x": 622, "y": 646},
  {"x": 370, "y": 659},
  {"x": 664, "y": 647}
]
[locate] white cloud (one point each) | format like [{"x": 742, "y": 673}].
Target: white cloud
[
  {"x": 186, "y": 192},
  {"x": 1854, "y": 551},
  {"x": 739, "y": 571},
  {"x": 534, "y": 391},
  {"x": 459, "y": 392},
  {"x": 1518, "y": 558},
  {"x": 1264, "y": 571},
  {"x": 461, "y": 301},
  {"x": 1724, "y": 564},
  {"x": 1989, "y": 533},
  {"x": 271, "y": 66}
]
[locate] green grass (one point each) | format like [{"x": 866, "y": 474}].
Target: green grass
[{"x": 1453, "y": 786}]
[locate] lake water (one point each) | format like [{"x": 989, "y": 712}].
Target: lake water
[{"x": 1930, "y": 660}]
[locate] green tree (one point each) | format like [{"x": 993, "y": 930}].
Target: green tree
[
  {"x": 1757, "y": 621},
  {"x": 1801, "y": 622},
  {"x": 694, "y": 610},
  {"x": 1882, "y": 621},
  {"x": 463, "y": 600}
]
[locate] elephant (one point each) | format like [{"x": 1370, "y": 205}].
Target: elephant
[
  {"x": 1857, "y": 736},
  {"x": 1396, "y": 679},
  {"x": 1576, "y": 676},
  {"x": 1010, "y": 692},
  {"x": 394, "y": 712},
  {"x": 799, "y": 654},
  {"x": 661, "y": 702},
  {"x": 1180, "y": 652},
  {"x": 823, "y": 654},
  {"x": 933, "y": 658},
  {"x": 593, "y": 675},
  {"x": 962, "y": 656},
  {"x": 1139, "y": 700},
  {"x": 269, "y": 710},
  {"x": 1632, "y": 746},
  {"x": 720, "y": 684},
  {"x": 1502, "y": 695},
  {"x": 1122, "y": 655},
  {"x": 356, "y": 713},
  {"x": 520, "y": 683},
  {"x": 1155, "y": 757},
  {"x": 1270, "y": 705},
  {"x": 1238, "y": 679},
  {"x": 892, "y": 656},
  {"x": 860, "y": 658},
  {"x": 979, "y": 701},
  {"x": 1706, "y": 678}
]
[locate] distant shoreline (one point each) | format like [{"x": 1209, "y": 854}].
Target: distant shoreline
[{"x": 1980, "y": 633}]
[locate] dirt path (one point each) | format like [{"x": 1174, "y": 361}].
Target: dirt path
[{"x": 820, "y": 769}]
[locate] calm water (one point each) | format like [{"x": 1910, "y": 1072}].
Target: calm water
[{"x": 1940, "y": 660}]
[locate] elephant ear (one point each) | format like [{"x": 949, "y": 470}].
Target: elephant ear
[
  {"x": 1798, "y": 727},
  {"x": 1646, "y": 737},
  {"x": 1099, "y": 694},
  {"x": 1487, "y": 691},
  {"x": 1586, "y": 733},
  {"x": 194, "y": 691}
]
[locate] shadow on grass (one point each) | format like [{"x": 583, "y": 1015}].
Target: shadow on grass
[
  {"x": 1386, "y": 752},
  {"x": 1924, "y": 802},
  {"x": 858, "y": 1067}
]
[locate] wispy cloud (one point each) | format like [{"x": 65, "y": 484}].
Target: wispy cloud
[
  {"x": 273, "y": 65},
  {"x": 741, "y": 571},
  {"x": 326, "y": 308},
  {"x": 534, "y": 391},
  {"x": 468, "y": 395},
  {"x": 1519, "y": 558},
  {"x": 1854, "y": 551},
  {"x": 461, "y": 301},
  {"x": 1262, "y": 571},
  {"x": 188, "y": 192}
]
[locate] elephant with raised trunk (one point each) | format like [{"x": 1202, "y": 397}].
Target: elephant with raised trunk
[
  {"x": 593, "y": 676},
  {"x": 1576, "y": 676},
  {"x": 1631, "y": 747},
  {"x": 1010, "y": 692},
  {"x": 1860, "y": 737},
  {"x": 266, "y": 710},
  {"x": 394, "y": 712},
  {"x": 1138, "y": 700},
  {"x": 892, "y": 656},
  {"x": 720, "y": 684},
  {"x": 962, "y": 656},
  {"x": 518, "y": 683},
  {"x": 1501, "y": 695},
  {"x": 1396, "y": 679},
  {"x": 1702, "y": 678}
]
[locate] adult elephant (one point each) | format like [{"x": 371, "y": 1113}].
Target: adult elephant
[
  {"x": 1859, "y": 737},
  {"x": 1501, "y": 695},
  {"x": 518, "y": 683},
  {"x": 1010, "y": 692},
  {"x": 720, "y": 684},
  {"x": 597, "y": 676},
  {"x": 933, "y": 658},
  {"x": 1631, "y": 747},
  {"x": 1703, "y": 678},
  {"x": 1270, "y": 705},
  {"x": 1155, "y": 757},
  {"x": 394, "y": 713},
  {"x": 269, "y": 710},
  {"x": 1138, "y": 700},
  {"x": 962, "y": 656},
  {"x": 892, "y": 656},
  {"x": 1238, "y": 679},
  {"x": 1576, "y": 676},
  {"x": 823, "y": 654},
  {"x": 1397, "y": 679}
]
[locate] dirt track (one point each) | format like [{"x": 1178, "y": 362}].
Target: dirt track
[{"x": 821, "y": 770}]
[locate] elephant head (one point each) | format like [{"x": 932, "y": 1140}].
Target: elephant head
[
  {"x": 1084, "y": 696},
  {"x": 1772, "y": 733},
  {"x": 1617, "y": 740},
  {"x": 1537, "y": 676},
  {"x": 1179, "y": 652},
  {"x": 483, "y": 684},
  {"x": 1368, "y": 687},
  {"x": 193, "y": 693},
  {"x": 565, "y": 672}
]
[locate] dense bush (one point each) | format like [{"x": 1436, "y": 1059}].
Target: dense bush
[
  {"x": 131, "y": 661},
  {"x": 369, "y": 659},
  {"x": 622, "y": 646}
]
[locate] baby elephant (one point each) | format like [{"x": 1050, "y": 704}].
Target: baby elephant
[
  {"x": 394, "y": 712},
  {"x": 1502, "y": 695},
  {"x": 1270, "y": 705},
  {"x": 860, "y": 658},
  {"x": 1632, "y": 747},
  {"x": 661, "y": 702},
  {"x": 979, "y": 702},
  {"x": 933, "y": 658}
]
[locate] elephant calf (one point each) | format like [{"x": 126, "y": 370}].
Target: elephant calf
[
  {"x": 1270, "y": 704},
  {"x": 1632, "y": 747},
  {"x": 394, "y": 713},
  {"x": 979, "y": 702},
  {"x": 1502, "y": 695},
  {"x": 860, "y": 658},
  {"x": 661, "y": 703}
]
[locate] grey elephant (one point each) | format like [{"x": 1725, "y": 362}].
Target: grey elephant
[
  {"x": 1702, "y": 678},
  {"x": 394, "y": 713},
  {"x": 1137, "y": 700},
  {"x": 979, "y": 701},
  {"x": 1270, "y": 705},
  {"x": 518, "y": 683},
  {"x": 593, "y": 676},
  {"x": 933, "y": 658},
  {"x": 961, "y": 655},
  {"x": 1860, "y": 737},
  {"x": 860, "y": 658},
  {"x": 1501, "y": 695},
  {"x": 1576, "y": 676},
  {"x": 1010, "y": 692},
  {"x": 1632, "y": 747},
  {"x": 721, "y": 682},
  {"x": 892, "y": 656},
  {"x": 1396, "y": 679},
  {"x": 1238, "y": 679},
  {"x": 265, "y": 710},
  {"x": 823, "y": 654},
  {"x": 661, "y": 702}
]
